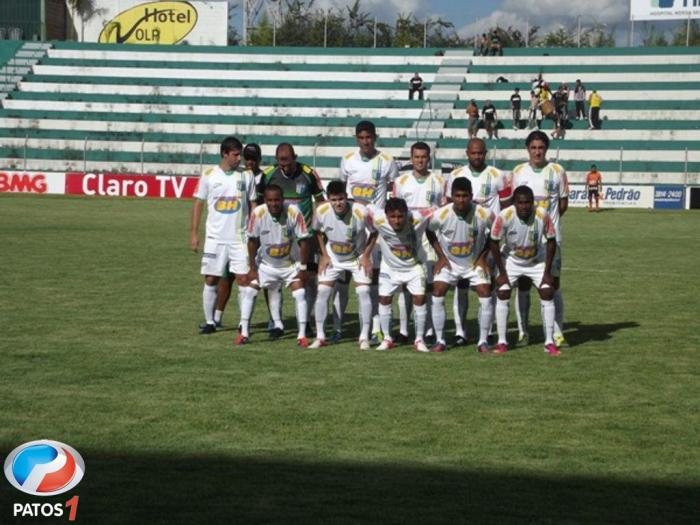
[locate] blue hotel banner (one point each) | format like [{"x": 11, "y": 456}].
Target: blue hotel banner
[{"x": 670, "y": 196}]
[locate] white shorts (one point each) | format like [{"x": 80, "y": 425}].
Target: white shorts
[
  {"x": 391, "y": 280},
  {"x": 269, "y": 275},
  {"x": 336, "y": 270},
  {"x": 475, "y": 276},
  {"x": 515, "y": 270},
  {"x": 216, "y": 256}
]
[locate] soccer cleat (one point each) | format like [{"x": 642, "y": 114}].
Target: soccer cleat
[
  {"x": 217, "y": 324},
  {"x": 402, "y": 339},
  {"x": 430, "y": 336},
  {"x": 270, "y": 325},
  {"x": 501, "y": 348},
  {"x": 207, "y": 329},
  {"x": 318, "y": 343},
  {"x": 438, "y": 348},
  {"x": 460, "y": 340},
  {"x": 560, "y": 341},
  {"x": 364, "y": 344},
  {"x": 303, "y": 342},
  {"x": 336, "y": 337},
  {"x": 552, "y": 350},
  {"x": 483, "y": 348},
  {"x": 242, "y": 340},
  {"x": 276, "y": 333},
  {"x": 523, "y": 341},
  {"x": 376, "y": 338},
  {"x": 386, "y": 344},
  {"x": 419, "y": 346}
]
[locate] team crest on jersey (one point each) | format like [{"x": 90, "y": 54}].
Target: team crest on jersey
[
  {"x": 279, "y": 251},
  {"x": 227, "y": 205},
  {"x": 301, "y": 188}
]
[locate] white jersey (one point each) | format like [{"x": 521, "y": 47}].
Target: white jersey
[
  {"x": 401, "y": 250},
  {"x": 489, "y": 187},
  {"x": 346, "y": 236},
  {"x": 368, "y": 180},
  {"x": 277, "y": 236},
  {"x": 421, "y": 193},
  {"x": 549, "y": 184},
  {"x": 228, "y": 196},
  {"x": 462, "y": 238},
  {"x": 524, "y": 241}
]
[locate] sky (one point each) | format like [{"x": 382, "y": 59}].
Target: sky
[{"x": 475, "y": 16}]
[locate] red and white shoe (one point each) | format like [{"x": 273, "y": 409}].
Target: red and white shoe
[
  {"x": 483, "y": 348},
  {"x": 438, "y": 347},
  {"x": 419, "y": 346},
  {"x": 303, "y": 342},
  {"x": 364, "y": 344},
  {"x": 552, "y": 350},
  {"x": 386, "y": 344},
  {"x": 242, "y": 340},
  {"x": 501, "y": 348},
  {"x": 318, "y": 343}
]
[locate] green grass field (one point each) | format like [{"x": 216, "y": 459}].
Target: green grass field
[{"x": 99, "y": 305}]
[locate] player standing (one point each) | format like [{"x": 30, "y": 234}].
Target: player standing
[
  {"x": 273, "y": 230},
  {"x": 341, "y": 231},
  {"x": 368, "y": 174},
  {"x": 594, "y": 187},
  {"x": 228, "y": 194},
  {"x": 529, "y": 240},
  {"x": 550, "y": 186},
  {"x": 491, "y": 189},
  {"x": 462, "y": 230}
]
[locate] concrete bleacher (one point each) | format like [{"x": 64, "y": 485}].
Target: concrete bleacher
[{"x": 164, "y": 109}]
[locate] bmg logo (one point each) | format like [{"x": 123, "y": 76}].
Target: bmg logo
[{"x": 44, "y": 468}]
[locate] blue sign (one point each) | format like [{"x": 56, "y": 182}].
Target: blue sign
[{"x": 669, "y": 197}]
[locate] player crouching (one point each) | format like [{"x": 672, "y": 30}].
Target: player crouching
[
  {"x": 341, "y": 230},
  {"x": 522, "y": 228},
  {"x": 462, "y": 229},
  {"x": 399, "y": 234},
  {"x": 272, "y": 229}
]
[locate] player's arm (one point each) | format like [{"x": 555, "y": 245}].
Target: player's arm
[
  {"x": 194, "y": 224},
  {"x": 253, "y": 246},
  {"x": 324, "y": 260},
  {"x": 366, "y": 257},
  {"x": 563, "y": 206},
  {"x": 494, "y": 242}
]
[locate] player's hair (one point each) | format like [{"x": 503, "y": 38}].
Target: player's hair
[
  {"x": 462, "y": 184},
  {"x": 336, "y": 187},
  {"x": 230, "y": 144},
  {"x": 476, "y": 139},
  {"x": 421, "y": 146},
  {"x": 537, "y": 135},
  {"x": 366, "y": 125},
  {"x": 252, "y": 151},
  {"x": 594, "y": 167},
  {"x": 285, "y": 145},
  {"x": 396, "y": 204},
  {"x": 274, "y": 187},
  {"x": 522, "y": 190}
]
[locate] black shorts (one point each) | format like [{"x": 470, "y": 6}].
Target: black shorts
[{"x": 592, "y": 193}]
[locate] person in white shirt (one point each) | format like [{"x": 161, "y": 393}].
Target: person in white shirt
[
  {"x": 368, "y": 174},
  {"x": 550, "y": 185},
  {"x": 228, "y": 194},
  {"x": 273, "y": 230},
  {"x": 341, "y": 230},
  {"x": 462, "y": 229},
  {"x": 529, "y": 242},
  {"x": 398, "y": 232},
  {"x": 491, "y": 188},
  {"x": 423, "y": 191}
]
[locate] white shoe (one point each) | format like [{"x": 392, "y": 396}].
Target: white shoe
[
  {"x": 420, "y": 346},
  {"x": 318, "y": 343},
  {"x": 386, "y": 344},
  {"x": 364, "y": 344}
]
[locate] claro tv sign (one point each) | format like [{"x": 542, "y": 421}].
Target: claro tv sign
[{"x": 151, "y": 23}]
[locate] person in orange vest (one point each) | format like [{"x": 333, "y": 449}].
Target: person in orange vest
[{"x": 594, "y": 187}]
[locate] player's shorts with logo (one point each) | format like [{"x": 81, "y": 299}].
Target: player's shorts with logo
[
  {"x": 336, "y": 272},
  {"x": 270, "y": 275},
  {"x": 217, "y": 257},
  {"x": 475, "y": 276},
  {"x": 391, "y": 280}
]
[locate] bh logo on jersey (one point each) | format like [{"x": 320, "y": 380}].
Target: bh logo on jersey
[
  {"x": 364, "y": 192},
  {"x": 460, "y": 249},
  {"x": 402, "y": 251},
  {"x": 279, "y": 251},
  {"x": 227, "y": 205},
  {"x": 44, "y": 468}
]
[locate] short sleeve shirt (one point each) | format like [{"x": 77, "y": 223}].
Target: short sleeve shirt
[
  {"x": 523, "y": 241},
  {"x": 277, "y": 235},
  {"x": 489, "y": 186},
  {"x": 368, "y": 180},
  {"x": 401, "y": 250},
  {"x": 421, "y": 193},
  {"x": 300, "y": 187},
  {"x": 462, "y": 238},
  {"x": 346, "y": 236}
]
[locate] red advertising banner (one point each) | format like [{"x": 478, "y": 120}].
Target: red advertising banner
[
  {"x": 31, "y": 182},
  {"x": 113, "y": 185}
]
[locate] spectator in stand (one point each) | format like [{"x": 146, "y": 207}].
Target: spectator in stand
[
  {"x": 565, "y": 94},
  {"x": 537, "y": 83},
  {"x": 484, "y": 45},
  {"x": 416, "y": 84},
  {"x": 532, "y": 116},
  {"x": 496, "y": 47},
  {"x": 473, "y": 116},
  {"x": 594, "y": 103},
  {"x": 580, "y": 99},
  {"x": 488, "y": 113},
  {"x": 515, "y": 101}
]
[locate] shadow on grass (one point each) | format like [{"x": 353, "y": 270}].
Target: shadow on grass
[
  {"x": 171, "y": 489},
  {"x": 578, "y": 333}
]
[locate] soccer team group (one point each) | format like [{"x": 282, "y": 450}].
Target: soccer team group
[{"x": 411, "y": 234}]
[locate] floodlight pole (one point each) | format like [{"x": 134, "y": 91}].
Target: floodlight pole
[
  {"x": 425, "y": 33},
  {"x": 687, "y": 32},
  {"x": 527, "y": 32},
  {"x": 578, "y": 31},
  {"x": 375, "y": 32},
  {"x": 325, "y": 30}
]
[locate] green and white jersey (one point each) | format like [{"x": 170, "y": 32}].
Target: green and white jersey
[
  {"x": 347, "y": 235},
  {"x": 228, "y": 195},
  {"x": 489, "y": 187},
  {"x": 421, "y": 193},
  {"x": 301, "y": 187},
  {"x": 462, "y": 238},
  {"x": 401, "y": 250},
  {"x": 277, "y": 235},
  {"x": 368, "y": 180}
]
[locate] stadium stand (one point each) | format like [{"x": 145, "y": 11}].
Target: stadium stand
[{"x": 164, "y": 109}]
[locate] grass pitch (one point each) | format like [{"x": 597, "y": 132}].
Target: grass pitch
[{"x": 99, "y": 305}]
